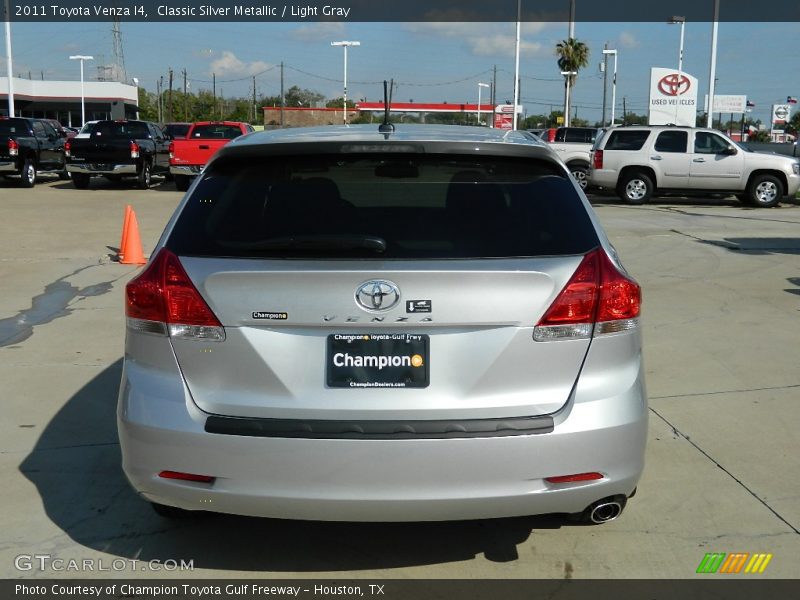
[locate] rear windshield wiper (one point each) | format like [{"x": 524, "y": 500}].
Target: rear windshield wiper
[{"x": 313, "y": 242}]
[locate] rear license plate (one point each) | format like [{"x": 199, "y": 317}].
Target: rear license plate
[{"x": 377, "y": 360}]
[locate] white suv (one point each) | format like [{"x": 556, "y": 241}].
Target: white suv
[{"x": 637, "y": 161}]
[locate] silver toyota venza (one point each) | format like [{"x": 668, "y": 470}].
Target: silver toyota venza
[{"x": 359, "y": 325}]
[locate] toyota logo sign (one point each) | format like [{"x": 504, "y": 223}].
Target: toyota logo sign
[
  {"x": 377, "y": 295},
  {"x": 674, "y": 84}
]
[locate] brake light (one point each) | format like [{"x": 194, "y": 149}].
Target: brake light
[
  {"x": 67, "y": 149},
  {"x": 13, "y": 147},
  {"x": 171, "y": 150},
  {"x": 598, "y": 299},
  {"x": 597, "y": 159},
  {"x": 186, "y": 476},
  {"x": 163, "y": 300},
  {"x": 134, "y": 150}
]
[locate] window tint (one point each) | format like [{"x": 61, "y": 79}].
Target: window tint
[
  {"x": 220, "y": 132},
  {"x": 123, "y": 129},
  {"x": 50, "y": 130},
  {"x": 672, "y": 141},
  {"x": 627, "y": 140},
  {"x": 708, "y": 143},
  {"x": 585, "y": 136},
  {"x": 429, "y": 206},
  {"x": 38, "y": 130}
]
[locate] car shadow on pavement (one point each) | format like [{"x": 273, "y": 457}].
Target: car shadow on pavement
[
  {"x": 758, "y": 245},
  {"x": 159, "y": 184},
  {"x": 76, "y": 469}
]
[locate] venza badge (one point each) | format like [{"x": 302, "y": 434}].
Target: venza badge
[{"x": 377, "y": 295}]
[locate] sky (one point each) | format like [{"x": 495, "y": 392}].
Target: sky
[{"x": 432, "y": 62}]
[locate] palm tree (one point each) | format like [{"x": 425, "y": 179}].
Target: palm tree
[{"x": 572, "y": 57}]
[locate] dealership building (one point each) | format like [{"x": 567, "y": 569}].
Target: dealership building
[{"x": 61, "y": 100}]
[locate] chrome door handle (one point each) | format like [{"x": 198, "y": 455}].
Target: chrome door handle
[
  {"x": 699, "y": 160},
  {"x": 656, "y": 157}
]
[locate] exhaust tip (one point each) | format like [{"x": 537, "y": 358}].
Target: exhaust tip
[{"x": 603, "y": 511}]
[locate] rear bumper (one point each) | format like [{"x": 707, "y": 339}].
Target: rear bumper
[
  {"x": 188, "y": 170},
  {"x": 102, "y": 169},
  {"x": 8, "y": 167},
  {"x": 161, "y": 428},
  {"x": 603, "y": 178}
]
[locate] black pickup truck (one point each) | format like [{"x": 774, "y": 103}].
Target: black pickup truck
[
  {"x": 30, "y": 146},
  {"x": 117, "y": 149}
]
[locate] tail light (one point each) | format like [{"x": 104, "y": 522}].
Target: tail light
[
  {"x": 171, "y": 150},
  {"x": 134, "y": 150},
  {"x": 163, "y": 300},
  {"x": 67, "y": 149},
  {"x": 180, "y": 476},
  {"x": 13, "y": 148},
  {"x": 597, "y": 159},
  {"x": 598, "y": 299}
]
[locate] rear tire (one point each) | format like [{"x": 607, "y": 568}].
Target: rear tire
[
  {"x": 581, "y": 175},
  {"x": 765, "y": 191},
  {"x": 635, "y": 188},
  {"x": 80, "y": 181},
  {"x": 143, "y": 177},
  {"x": 182, "y": 182},
  {"x": 28, "y": 175}
]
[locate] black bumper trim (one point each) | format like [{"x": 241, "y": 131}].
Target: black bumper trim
[{"x": 378, "y": 430}]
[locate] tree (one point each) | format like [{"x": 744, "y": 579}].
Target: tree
[
  {"x": 337, "y": 103},
  {"x": 295, "y": 96},
  {"x": 572, "y": 57}
]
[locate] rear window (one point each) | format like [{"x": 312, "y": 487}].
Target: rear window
[
  {"x": 383, "y": 207},
  {"x": 13, "y": 127},
  {"x": 627, "y": 140},
  {"x": 122, "y": 129},
  {"x": 218, "y": 132},
  {"x": 576, "y": 135}
]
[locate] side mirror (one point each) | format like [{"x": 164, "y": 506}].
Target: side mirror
[{"x": 729, "y": 151}]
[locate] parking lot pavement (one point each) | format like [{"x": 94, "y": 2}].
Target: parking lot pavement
[{"x": 721, "y": 298}]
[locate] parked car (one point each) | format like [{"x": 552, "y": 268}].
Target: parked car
[
  {"x": 176, "y": 131},
  {"x": 29, "y": 147},
  {"x": 641, "y": 160},
  {"x": 64, "y": 132},
  {"x": 347, "y": 323},
  {"x": 116, "y": 150},
  {"x": 188, "y": 156},
  {"x": 574, "y": 145}
]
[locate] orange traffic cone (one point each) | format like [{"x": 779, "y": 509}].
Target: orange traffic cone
[
  {"x": 124, "y": 237},
  {"x": 132, "y": 253}
]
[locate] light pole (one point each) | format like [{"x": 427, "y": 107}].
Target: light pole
[
  {"x": 675, "y": 20},
  {"x": 712, "y": 72},
  {"x": 9, "y": 67},
  {"x": 82, "y": 58},
  {"x": 613, "y": 83},
  {"x": 136, "y": 83},
  {"x": 480, "y": 85},
  {"x": 345, "y": 44},
  {"x": 567, "y": 75}
]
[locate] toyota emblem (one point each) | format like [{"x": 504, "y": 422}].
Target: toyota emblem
[
  {"x": 377, "y": 295},
  {"x": 674, "y": 84}
]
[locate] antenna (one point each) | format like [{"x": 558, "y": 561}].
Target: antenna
[{"x": 386, "y": 126}]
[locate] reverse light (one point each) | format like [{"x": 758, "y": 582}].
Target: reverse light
[
  {"x": 134, "y": 150},
  {"x": 597, "y": 159},
  {"x": 163, "y": 300},
  {"x": 574, "y": 478},
  {"x": 186, "y": 476},
  {"x": 598, "y": 299},
  {"x": 171, "y": 150},
  {"x": 13, "y": 147},
  {"x": 68, "y": 149}
]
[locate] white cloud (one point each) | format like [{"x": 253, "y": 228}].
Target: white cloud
[
  {"x": 228, "y": 65},
  {"x": 628, "y": 40},
  {"x": 485, "y": 39},
  {"x": 317, "y": 32}
]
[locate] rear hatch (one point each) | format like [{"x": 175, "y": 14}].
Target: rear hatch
[
  {"x": 109, "y": 143},
  {"x": 11, "y": 129},
  {"x": 383, "y": 286}
]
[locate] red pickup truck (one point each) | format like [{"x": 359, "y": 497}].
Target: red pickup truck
[{"x": 188, "y": 156}]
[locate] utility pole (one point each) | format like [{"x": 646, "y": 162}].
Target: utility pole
[
  {"x": 214, "y": 93},
  {"x": 159, "y": 83},
  {"x": 624, "y": 110},
  {"x": 170, "y": 96},
  {"x": 605, "y": 81},
  {"x": 494, "y": 93},
  {"x": 283, "y": 99},
  {"x": 185, "y": 99},
  {"x": 254, "y": 99}
]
